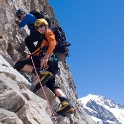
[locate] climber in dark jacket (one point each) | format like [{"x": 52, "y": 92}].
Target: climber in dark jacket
[{"x": 29, "y": 20}]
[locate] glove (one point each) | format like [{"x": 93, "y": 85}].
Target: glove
[{"x": 17, "y": 21}]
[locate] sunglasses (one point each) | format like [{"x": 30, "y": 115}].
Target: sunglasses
[{"x": 40, "y": 26}]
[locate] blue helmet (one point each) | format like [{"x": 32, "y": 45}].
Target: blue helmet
[{"x": 19, "y": 11}]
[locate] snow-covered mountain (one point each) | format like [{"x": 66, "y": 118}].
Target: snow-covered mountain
[{"x": 102, "y": 110}]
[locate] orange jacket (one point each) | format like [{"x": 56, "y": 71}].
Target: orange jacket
[{"x": 51, "y": 43}]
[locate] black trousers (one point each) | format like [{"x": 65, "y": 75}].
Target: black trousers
[
  {"x": 33, "y": 37},
  {"x": 53, "y": 67}
]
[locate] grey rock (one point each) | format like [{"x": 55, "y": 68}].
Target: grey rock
[{"x": 7, "y": 117}]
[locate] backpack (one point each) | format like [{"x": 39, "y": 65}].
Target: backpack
[
  {"x": 40, "y": 14},
  {"x": 62, "y": 45}
]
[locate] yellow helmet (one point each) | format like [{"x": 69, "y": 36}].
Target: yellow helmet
[{"x": 40, "y": 21}]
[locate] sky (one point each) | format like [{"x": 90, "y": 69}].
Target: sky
[{"x": 95, "y": 29}]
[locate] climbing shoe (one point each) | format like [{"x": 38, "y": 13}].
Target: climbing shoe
[
  {"x": 66, "y": 108},
  {"x": 45, "y": 76}
]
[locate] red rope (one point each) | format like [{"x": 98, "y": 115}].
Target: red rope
[{"x": 44, "y": 92}]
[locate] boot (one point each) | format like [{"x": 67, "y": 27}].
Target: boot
[
  {"x": 66, "y": 107},
  {"x": 44, "y": 77}
]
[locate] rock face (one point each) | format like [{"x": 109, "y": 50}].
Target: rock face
[
  {"x": 18, "y": 105},
  {"x": 102, "y": 110}
]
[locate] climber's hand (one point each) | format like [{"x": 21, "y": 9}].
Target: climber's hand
[
  {"x": 44, "y": 61},
  {"x": 17, "y": 21}
]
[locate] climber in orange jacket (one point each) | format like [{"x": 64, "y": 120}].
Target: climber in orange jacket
[{"x": 44, "y": 59}]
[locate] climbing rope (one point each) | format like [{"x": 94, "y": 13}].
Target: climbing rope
[{"x": 44, "y": 91}]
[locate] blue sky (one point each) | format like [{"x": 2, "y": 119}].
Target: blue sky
[{"x": 95, "y": 28}]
